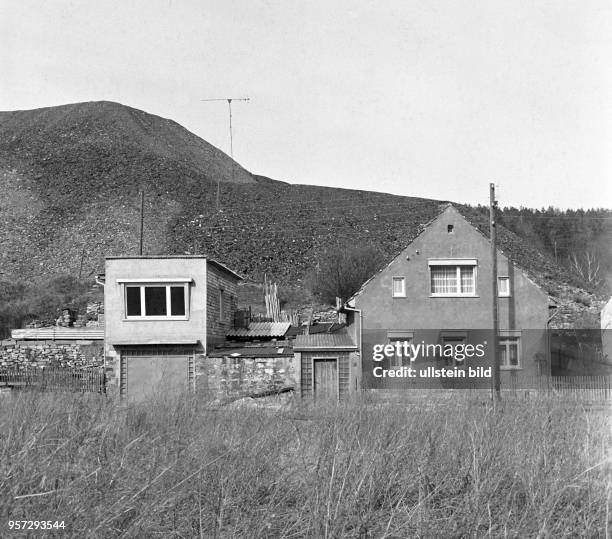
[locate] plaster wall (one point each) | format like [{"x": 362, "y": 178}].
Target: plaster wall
[
  {"x": 426, "y": 317},
  {"x": 118, "y": 329},
  {"x": 526, "y": 308}
]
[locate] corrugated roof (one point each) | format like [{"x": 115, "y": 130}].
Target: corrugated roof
[
  {"x": 340, "y": 340},
  {"x": 53, "y": 333},
  {"x": 253, "y": 351},
  {"x": 261, "y": 329}
]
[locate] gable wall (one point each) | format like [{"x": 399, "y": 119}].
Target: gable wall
[
  {"x": 526, "y": 308},
  {"x": 525, "y": 312}
]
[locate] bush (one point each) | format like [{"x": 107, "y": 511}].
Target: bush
[
  {"x": 291, "y": 297},
  {"x": 580, "y": 297},
  {"x": 341, "y": 271}
]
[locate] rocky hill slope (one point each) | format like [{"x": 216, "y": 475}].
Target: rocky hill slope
[{"x": 70, "y": 178}]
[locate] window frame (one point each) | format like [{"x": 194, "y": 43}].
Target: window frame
[
  {"x": 505, "y": 337},
  {"x": 394, "y": 336},
  {"x": 508, "y": 292},
  {"x": 453, "y": 336},
  {"x": 142, "y": 284},
  {"x": 457, "y": 263},
  {"x": 403, "y": 281}
]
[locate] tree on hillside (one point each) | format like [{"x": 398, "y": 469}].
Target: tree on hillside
[
  {"x": 578, "y": 240},
  {"x": 342, "y": 270},
  {"x": 587, "y": 264}
]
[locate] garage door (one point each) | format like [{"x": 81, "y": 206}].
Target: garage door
[{"x": 143, "y": 376}]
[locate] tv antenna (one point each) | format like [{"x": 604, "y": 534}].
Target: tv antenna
[{"x": 229, "y": 109}]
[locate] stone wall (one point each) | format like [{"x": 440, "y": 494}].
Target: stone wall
[
  {"x": 58, "y": 353},
  {"x": 223, "y": 378}
]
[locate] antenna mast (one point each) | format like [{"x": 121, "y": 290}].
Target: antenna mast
[{"x": 229, "y": 109}]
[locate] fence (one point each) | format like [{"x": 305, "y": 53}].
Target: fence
[
  {"x": 54, "y": 379},
  {"x": 581, "y": 387}
]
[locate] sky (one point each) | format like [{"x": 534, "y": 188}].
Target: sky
[{"x": 434, "y": 98}]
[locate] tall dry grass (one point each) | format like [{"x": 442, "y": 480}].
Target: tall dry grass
[{"x": 174, "y": 468}]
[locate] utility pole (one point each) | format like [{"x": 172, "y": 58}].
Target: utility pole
[
  {"x": 493, "y": 233},
  {"x": 82, "y": 259},
  {"x": 229, "y": 108},
  {"x": 141, "y": 221}
]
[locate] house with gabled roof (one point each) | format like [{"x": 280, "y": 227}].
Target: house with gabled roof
[{"x": 425, "y": 319}]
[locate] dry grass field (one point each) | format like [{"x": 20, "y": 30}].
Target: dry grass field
[{"x": 178, "y": 469}]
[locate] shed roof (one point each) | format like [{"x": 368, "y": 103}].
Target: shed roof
[
  {"x": 253, "y": 352},
  {"x": 261, "y": 329},
  {"x": 340, "y": 340},
  {"x": 55, "y": 332},
  {"x": 155, "y": 342}
]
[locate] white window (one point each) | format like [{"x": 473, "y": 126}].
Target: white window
[
  {"x": 402, "y": 354},
  {"x": 503, "y": 287},
  {"x": 156, "y": 300},
  {"x": 452, "y": 277},
  {"x": 509, "y": 349},
  {"x": 399, "y": 287},
  {"x": 457, "y": 341}
]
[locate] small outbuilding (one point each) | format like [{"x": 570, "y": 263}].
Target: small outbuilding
[
  {"x": 327, "y": 365},
  {"x": 163, "y": 314}
]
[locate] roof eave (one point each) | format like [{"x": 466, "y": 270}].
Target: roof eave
[
  {"x": 425, "y": 227},
  {"x": 170, "y": 257},
  {"x": 226, "y": 269}
]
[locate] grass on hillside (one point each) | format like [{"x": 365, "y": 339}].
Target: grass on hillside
[{"x": 178, "y": 469}]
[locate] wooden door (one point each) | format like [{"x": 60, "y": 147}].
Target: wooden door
[{"x": 325, "y": 379}]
